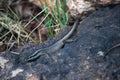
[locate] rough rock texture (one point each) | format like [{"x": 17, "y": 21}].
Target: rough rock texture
[
  {"x": 80, "y": 60},
  {"x": 79, "y": 7}
]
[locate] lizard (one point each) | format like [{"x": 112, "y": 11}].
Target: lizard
[{"x": 53, "y": 48}]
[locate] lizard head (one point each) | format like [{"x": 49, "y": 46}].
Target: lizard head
[{"x": 35, "y": 55}]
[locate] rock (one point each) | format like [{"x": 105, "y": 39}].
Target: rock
[
  {"x": 80, "y": 60},
  {"x": 79, "y": 7}
]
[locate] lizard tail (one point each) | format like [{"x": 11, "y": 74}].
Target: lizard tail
[{"x": 71, "y": 31}]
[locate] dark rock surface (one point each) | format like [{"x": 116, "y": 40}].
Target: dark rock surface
[{"x": 80, "y": 60}]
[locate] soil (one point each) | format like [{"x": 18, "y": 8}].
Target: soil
[{"x": 84, "y": 59}]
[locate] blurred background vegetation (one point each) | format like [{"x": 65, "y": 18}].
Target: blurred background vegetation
[{"x": 22, "y": 21}]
